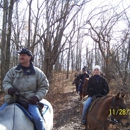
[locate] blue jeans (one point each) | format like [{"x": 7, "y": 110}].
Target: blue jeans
[
  {"x": 3, "y": 106},
  {"x": 86, "y": 105},
  {"x": 34, "y": 111},
  {"x": 80, "y": 87}
]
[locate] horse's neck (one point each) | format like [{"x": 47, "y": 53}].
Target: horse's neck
[
  {"x": 105, "y": 106},
  {"x": 12, "y": 116}
]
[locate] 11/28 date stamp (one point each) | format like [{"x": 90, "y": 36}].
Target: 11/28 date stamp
[{"x": 119, "y": 112}]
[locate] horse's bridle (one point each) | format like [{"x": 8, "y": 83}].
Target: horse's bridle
[
  {"x": 113, "y": 107},
  {"x": 108, "y": 119}
]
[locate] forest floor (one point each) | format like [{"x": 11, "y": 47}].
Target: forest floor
[{"x": 67, "y": 113}]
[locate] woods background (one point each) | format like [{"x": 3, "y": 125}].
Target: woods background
[{"x": 68, "y": 34}]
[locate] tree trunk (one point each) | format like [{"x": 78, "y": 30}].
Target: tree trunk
[
  {"x": 68, "y": 61},
  {"x": 48, "y": 67},
  {"x": 29, "y": 24},
  {"x": 72, "y": 60},
  {"x": 7, "y": 61},
  {"x": 4, "y": 28}
]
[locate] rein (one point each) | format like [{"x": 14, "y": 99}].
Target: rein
[
  {"x": 39, "y": 105},
  {"x": 14, "y": 117},
  {"x": 17, "y": 94}
]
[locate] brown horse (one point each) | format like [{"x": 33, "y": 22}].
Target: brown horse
[
  {"x": 105, "y": 108},
  {"x": 77, "y": 81},
  {"x": 84, "y": 89}
]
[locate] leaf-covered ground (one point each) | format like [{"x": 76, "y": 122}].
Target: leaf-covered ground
[{"x": 67, "y": 114}]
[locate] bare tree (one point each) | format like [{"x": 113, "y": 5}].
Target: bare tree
[
  {"x": 56, "y": 25},
  {"x": 69, "y": 51},
  {"x": 29, "y": 23},
  {"x": 6, "y": 35},
  {"x": 4, "y": 28},
  {"x": 101, "y": 32},
  {"x": 112, "y": 41},
  {"x": 47, "y": 25}
]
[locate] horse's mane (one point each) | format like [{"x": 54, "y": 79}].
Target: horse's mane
[{"x": 108, "y": 100}]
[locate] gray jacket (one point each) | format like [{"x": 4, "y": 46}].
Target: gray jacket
[{"x": 31, "y": 83}]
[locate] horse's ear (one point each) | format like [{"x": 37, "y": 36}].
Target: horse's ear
[
  {"x": 117, "y": 96},
  {"x": 123, "y": 95}
]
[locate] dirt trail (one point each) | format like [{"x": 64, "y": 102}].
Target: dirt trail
[{"x": 67, "y": 114}]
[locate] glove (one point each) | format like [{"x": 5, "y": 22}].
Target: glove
[
  {"x": 12, "y": 91},
  {"x": 33, "y": 100}
]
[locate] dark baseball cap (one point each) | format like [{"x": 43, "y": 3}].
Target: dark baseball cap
[
  {"x": 25, "y": 51},
  {"x": 84, "y": 69}
]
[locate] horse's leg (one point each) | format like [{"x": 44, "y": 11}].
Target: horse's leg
[
  {"x": 76, "y": 88},
  {"x": 81, "y": 92},
  {"x": 80, "y": 96},
  {"x": 83, "y": 95}
]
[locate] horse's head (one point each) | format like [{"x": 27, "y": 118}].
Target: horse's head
[{"x": 119, "y": 110}]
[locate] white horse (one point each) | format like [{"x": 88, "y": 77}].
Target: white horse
[{"x": 13, "y": 118}]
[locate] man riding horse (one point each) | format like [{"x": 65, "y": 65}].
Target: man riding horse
[
  {"x": 30, "y": 82},
  {"x": 96, "y": 85},
  {"x": 82, "y": 78}
]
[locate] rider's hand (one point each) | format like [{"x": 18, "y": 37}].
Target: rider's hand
[
  {"x": 11, "y": 91},
  {"x": 34, "y": 100}
]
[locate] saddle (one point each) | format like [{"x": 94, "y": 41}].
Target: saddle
[
  {"x": 94, "y": 100},
  {"x": 24, "y": 104}
]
